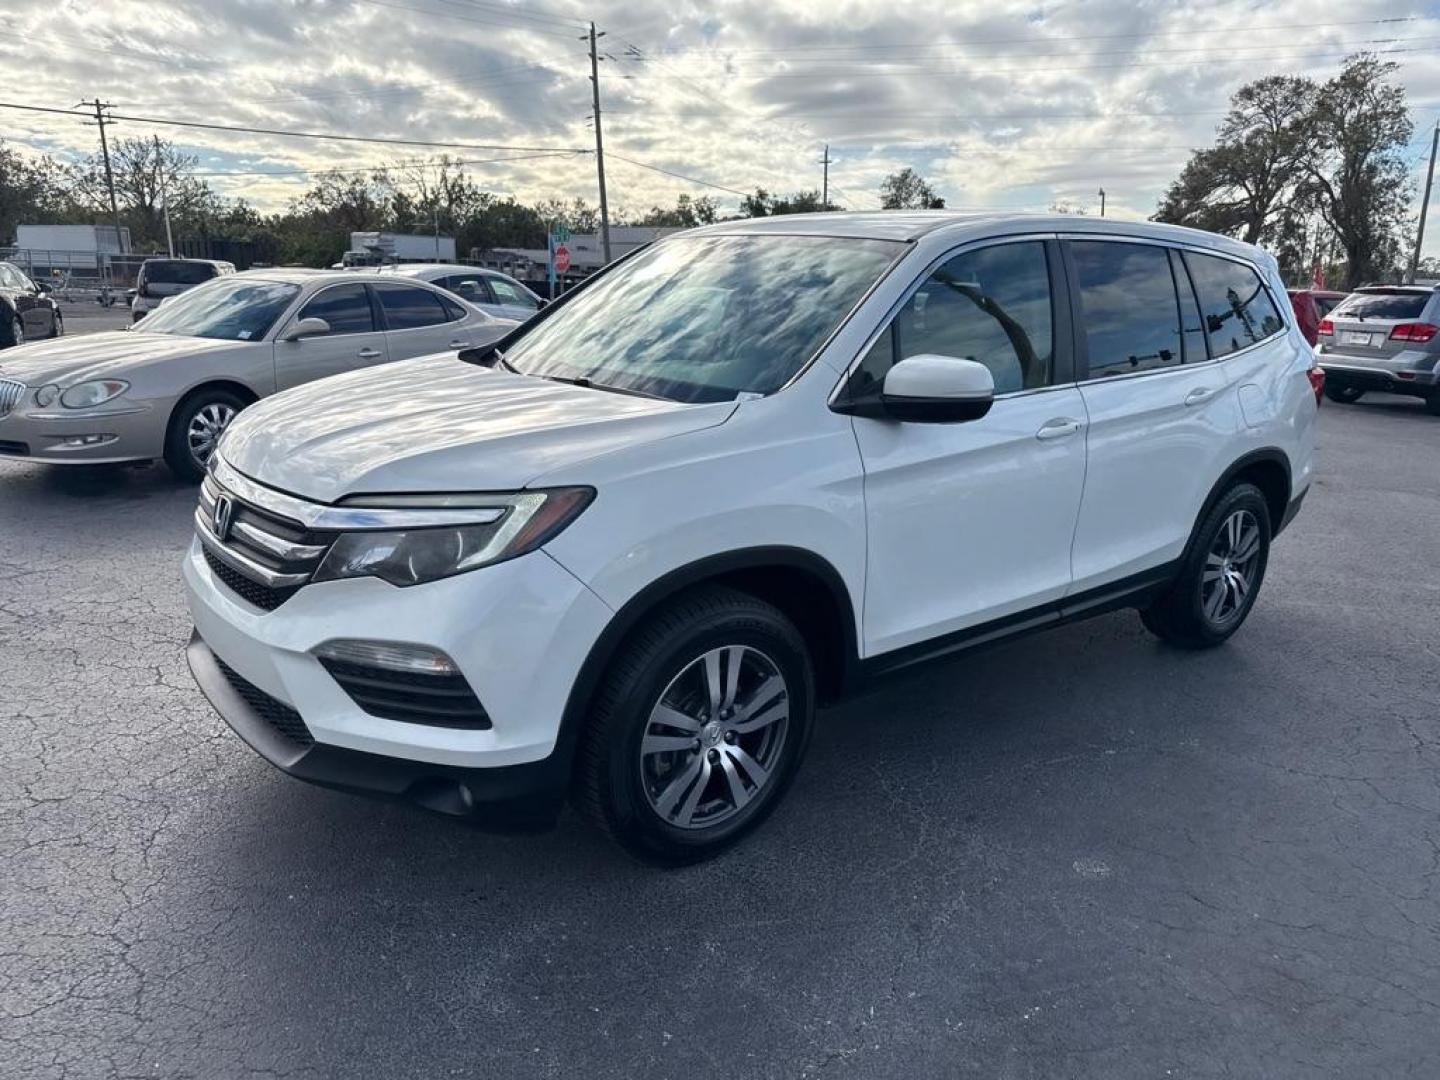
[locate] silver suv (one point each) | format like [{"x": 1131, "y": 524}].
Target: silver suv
[{"x": 1383, "y": 337}]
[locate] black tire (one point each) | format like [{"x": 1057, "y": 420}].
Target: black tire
[
  {"x": 1432, "y": 404},
  {"x": 1345, "y": 395},
  {"x": 1183, "y": 614},
  {"x": 12, "y": 327},
  {"x": 57, "y": 325},
  {"x": 620, "y": 791},
  {"x": 183, "y": 462}
]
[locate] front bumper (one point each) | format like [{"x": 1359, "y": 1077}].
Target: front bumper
[
  {"x": 518, "y": 631},
  {"x": 129, "y": 431},
  {"x": 521, "y": 797}
]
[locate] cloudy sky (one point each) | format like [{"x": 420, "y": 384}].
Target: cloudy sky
[{"x": 999, "y": 104}]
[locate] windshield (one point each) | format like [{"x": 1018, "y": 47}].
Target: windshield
[
  {"x": 1400, "y": 304},
  {"x": 176, "y": 273},
  {"x": 706, "y": 318},
  {"x": 228, "y": 308}
]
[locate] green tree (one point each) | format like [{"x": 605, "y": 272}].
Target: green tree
[
  {"x": 1359, "y": 181},
  {"x": 1243, "y": 184},
  {"x": 906, "y": 190},
  {"x": 687, "y": 213},
  {"x": 142, "y": 170},
  {"x": 32, "y": 192},
  {"x": 763, "y": 204}
]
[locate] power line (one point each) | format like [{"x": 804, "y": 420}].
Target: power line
[
  {"x": 1189, "y": 32},
  {"x": 290, "y": 134},
  {"x": 382, "y": 166},
  {"x": 677, "y": 176},
  {"x": 478, "y": 20},
  {"x": 843, "y": 74}
]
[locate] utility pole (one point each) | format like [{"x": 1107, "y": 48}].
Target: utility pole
[
  {"x": 825, "y": 190},
  {"x": 101, "y": 119},
  {"x": 1424, "y": 204},
  {"x": 599, "y": 143},
  {"x": 1102, "y": 202},
  {"x": 164, "y": 197}
]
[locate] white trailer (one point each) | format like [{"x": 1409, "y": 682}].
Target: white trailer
[
  {"x": 72, "y": 247},
  {"x": 385, "y": 248}
]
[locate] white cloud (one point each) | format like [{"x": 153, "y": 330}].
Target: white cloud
[{"x": 1009, "y": 104}]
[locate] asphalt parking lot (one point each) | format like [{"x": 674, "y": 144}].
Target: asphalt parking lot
[{"x": 1082, "y": 855}]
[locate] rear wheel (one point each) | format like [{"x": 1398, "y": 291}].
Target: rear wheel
[
  {"x": 195, "y": 427},
  {"x": 1345, "y": 395},
  {"x": 1220, "y": 573},
  {"x": 15, "y": 330},
  {"x": 699, "y": 728},
  {"x": 1432, "y": 404}
]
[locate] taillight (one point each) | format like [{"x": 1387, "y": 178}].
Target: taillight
[
  {"x": 1419, "y": 332},
  {"x": 1317, "y": 381},
  {"x": 1327, "y": 328}
]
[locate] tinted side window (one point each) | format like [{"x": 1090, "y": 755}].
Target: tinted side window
[
  {"x": 407, "y": 307},
  {"x": 506, "y": 293},
  {"x": 991, "y": 305},
  {"x": 470, "y": 287},
  {"x": 345, "y": 307},
  {"x": 453, "y": 311},
  {"x": 1190, "y": 324},
  {"x": 1128, "y": 307},
  {"x": 1237, "y": 310}
]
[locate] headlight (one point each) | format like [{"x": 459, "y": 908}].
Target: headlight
[
  {"x": 46, "y": 395},
  {"x": 85, "y": 395},
  {"x": 522, "y": 522}
]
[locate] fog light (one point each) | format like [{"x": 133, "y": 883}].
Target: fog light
[
  {"x": 86, "y": 440},
  {"x": 393, "y": 655}
]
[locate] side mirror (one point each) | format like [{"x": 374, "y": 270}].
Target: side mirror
[
  {"x": 311, "y": 327},
  {"x": 44, "y": 288},
  {"x": 929, "y": 389}
]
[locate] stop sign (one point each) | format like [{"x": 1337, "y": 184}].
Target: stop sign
[{"x": 562, "y": 259}]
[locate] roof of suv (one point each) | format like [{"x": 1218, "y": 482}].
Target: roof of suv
[{"x": 914, "y": 224}]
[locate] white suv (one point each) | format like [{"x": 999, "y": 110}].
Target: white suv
[{"x": 626, "y": 554}]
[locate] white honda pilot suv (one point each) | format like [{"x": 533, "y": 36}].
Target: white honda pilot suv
[{"x": 626, "y": 553}]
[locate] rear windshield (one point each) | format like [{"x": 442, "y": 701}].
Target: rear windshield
[
  {"x": 177, "y": 273},
  {"x": 1326, "y": 304},
  {"x": 1383, "y": 305}
]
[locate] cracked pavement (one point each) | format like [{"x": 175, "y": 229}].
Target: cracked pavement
[{"x": 1083, "y": 855}]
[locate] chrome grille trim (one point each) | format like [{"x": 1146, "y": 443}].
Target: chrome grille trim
[
  {"x": 281, "y": 549},
  {"x": 318, "y": 516},
  {"x": 11, "y": 391},
  {"x": 240, "y": 563}
]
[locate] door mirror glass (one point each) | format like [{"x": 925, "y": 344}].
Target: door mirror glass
[
  {"x": 934, "y": 389},
  {"x": 304, "y": 328},
  {"x": 44, "y": 287}
]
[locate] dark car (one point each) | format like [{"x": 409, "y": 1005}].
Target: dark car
[
  {"x": 27, "y": 311},
  {"x": 1312, "y": 305}
]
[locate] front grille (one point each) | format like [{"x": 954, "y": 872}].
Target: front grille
[
  {"x": 262, "y": 557},
  {"x": 248, "y": 589},
  {"x": 11, "y": 446},
  {"x": 277, "y": 714},
  {"x": 410, "y": 697},
  {"x": 11, "y": 392}
]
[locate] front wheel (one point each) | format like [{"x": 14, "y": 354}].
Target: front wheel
[
  {"x": 57, "y": 325},
  {"x": 1220, "y": 573},
  {"x": 195, "y": 428},
  {"x": 1432, "y": 404},
  {"x": 1345, "y": 395},
  {"x": 15, "y": 330},
  {"x": 699, "y": 727}
]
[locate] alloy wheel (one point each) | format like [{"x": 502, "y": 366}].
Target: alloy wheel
[
  {"x": 1229, "y": 573},
  {"x": 715, "y": 737},
  {"x": 206, "y": 426}
]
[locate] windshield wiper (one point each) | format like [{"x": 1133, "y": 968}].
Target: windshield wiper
[{"x": 588, "y": 384}]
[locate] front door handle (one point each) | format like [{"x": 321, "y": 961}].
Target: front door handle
[
  {"x": 368, "y": 354},
  {"x": 1199, "y": 394},
  {"x": 1060, "y": 428},
  {"x": 459, "y": 344}
]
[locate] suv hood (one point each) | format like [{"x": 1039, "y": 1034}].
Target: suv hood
[
  {"x": 68, "y": 360},
  {"x": 438, "y": 424}
]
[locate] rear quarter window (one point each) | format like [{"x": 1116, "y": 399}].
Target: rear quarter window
[{"x": 1235, "y": 307}]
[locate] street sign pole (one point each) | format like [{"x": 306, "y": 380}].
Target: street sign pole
[{"x": 550, "y": 257}]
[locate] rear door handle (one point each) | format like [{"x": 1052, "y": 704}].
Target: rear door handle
[
  {"x": 1059, "y": 428},
  {"x": 459, "y": 344},
  {"x": 1199, "y": 394},
  {"x": 368, "y": 354}
]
